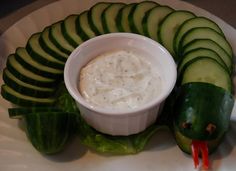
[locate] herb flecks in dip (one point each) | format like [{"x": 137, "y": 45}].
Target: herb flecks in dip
[{"x": 119, "y": 79}]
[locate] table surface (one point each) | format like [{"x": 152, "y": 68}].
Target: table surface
[{"x": 11, "y": 10}]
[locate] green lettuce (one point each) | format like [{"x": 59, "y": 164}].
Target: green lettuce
[{"x": 100, "y": 142}]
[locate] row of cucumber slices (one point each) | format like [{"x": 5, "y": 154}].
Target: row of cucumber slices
[{"x": 198, "y": 45}]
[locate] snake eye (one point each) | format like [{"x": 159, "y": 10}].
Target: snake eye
[
  {"x": 186, "y": 125},
  {"x": 210, "y": 128}
]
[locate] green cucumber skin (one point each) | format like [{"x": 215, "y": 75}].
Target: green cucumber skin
[
  {"x": 23, "y": 102},
  {"x": 229, "y": 85},
  {"x": 45, "y": 148},
  {"x": 210, "y": 44},
  {"x": 118, "y": 21},
  {"x": 130, "y": 19},
  {"x": 167, "y": 39},
  {"x": 146, "y": 17},
  {"x": 144, "y": 23},
  {"x": 36, "y": 70},
  {"x": 119, "y": 18},
  {"x": 90, "y": 18},
  {"x": 42, "y": 60},
  {"x": 204, "y": 22},
  {"x": 213, "y": 105},
  {"x": 50, "y": 51},
  {"x": 30, "y": 80},
  {"x": 106, "y": 26},
  {"x": 79, "y": 29},
  {"x": 197, "y": 53},
  {"x": 25, "y": 90},
  {"x": 19, "y": 112},
  {"x": 90, "y": 21},
  {"x": 184, "y": 143},
  {"x": 227, "y": 47},
  {"x": 49, "y": 131},
  {"x": 54, "y": 41},
  {"x": 71, "y": 41},
  {"x": 131, "y": 15}
]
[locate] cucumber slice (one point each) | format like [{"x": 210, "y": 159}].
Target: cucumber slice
[
  {"x": 23, "y": 100},
  {"x": 83, "y": 27},
  {"x": 56, "y": 36},
  {"x": 19, "y": 112},
  {"x": 193, "y": 23},
  {"x": 37, "y": 53},
  {"x": 198, "y": 69},
  {"x": 152, "y": 19},
  {"x": 137, "y": 13},
  {"x": 26, "y": 75},
  {"x": 169, "y": 27},
  {"x": 122, "y": 22},
  {"x": 94, "y": 17},
  {"x": 109, "y": 17},
  {"x": 49, "y": 47},
  {"x": 23, "y": 57},
  {"x": 70, "y": 32},
  {"x": 209, "y": 44},
  {"x": 195, "y": 53},
  {"x": 49, "y": 131},
  {"x": 25, "y": 88},
  {"x": 205, "y": 33}
]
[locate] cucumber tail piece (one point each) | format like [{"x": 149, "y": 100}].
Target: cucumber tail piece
[{"x": 200, "y": 147}]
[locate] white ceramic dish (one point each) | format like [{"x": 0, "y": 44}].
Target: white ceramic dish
[
  {"x": 17, "y": 154},
  {"x": 123, "y": 121}
]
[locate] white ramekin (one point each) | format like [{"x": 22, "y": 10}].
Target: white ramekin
[{"x": 120, "y": 122}]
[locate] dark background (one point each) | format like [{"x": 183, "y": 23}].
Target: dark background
[{"x": 8, "y": 6}]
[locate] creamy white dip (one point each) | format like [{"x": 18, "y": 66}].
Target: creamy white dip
[{"x": 119, "y": 79}]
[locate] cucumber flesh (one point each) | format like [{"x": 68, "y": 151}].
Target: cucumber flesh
[
  {"x": 169, "y": 27},
  {"x": 198, "y": 53},
  {"x": 56, "y": 36},
  {"x": 209, "y": 44},
  {"x": 152, "y": 19},
  {"x": 23, "y": 57},
  {"x": 206, "y": 33},
  {"x": 49, "y": 47},
  {"x": 23, "y": 100},
  {"x": 37, "y": 53},
  {"x": 69, "y": 30},
  {"x": 94, "y": 17},
  {"x": 137, "y": 14},
  {"x": 109, "y": 17},
  {"x": 122, "y": 22},
  {"x": 194, "y": 23},
  {"x": 198, "y": 71},
  {"x": 26, "y": 75},
  {"x": 25, "y": 88},
  {"x": 83, "y": 27}
]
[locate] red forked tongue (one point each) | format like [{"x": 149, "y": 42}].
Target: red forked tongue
[{"x": 200, "y": 146}]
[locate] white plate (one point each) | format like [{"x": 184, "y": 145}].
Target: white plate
[{"x": 16, "y": 153}]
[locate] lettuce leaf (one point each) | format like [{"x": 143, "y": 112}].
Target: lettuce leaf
[{"x": 100, "y": 142}]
